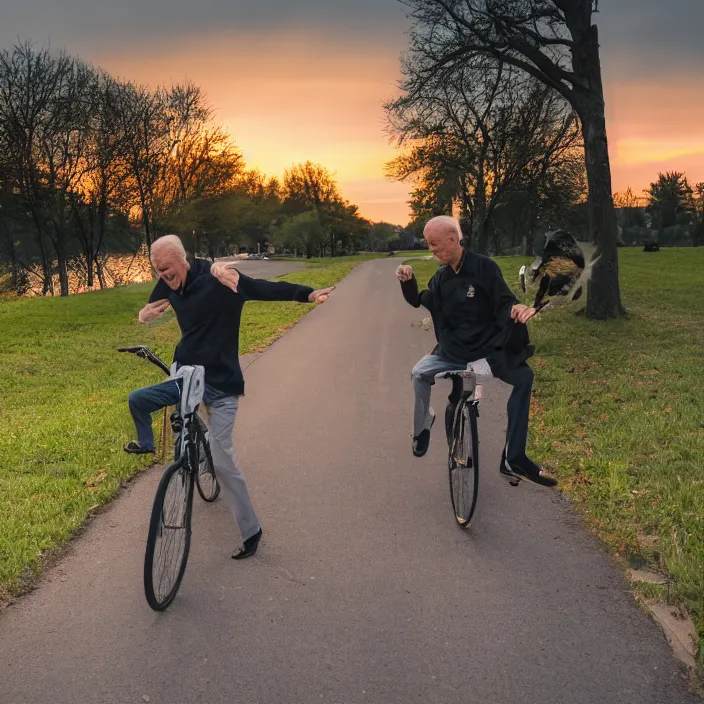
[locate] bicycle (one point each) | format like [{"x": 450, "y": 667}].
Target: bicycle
[
  {"x": 461, "y": 416},
  {"x": 169, "y": 536}
]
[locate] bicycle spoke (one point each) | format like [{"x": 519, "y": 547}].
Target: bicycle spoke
[
  {"x": 206, "y": 480},
  {"x": 462, "y": 467},
  {"x": 171, "y": 540}
]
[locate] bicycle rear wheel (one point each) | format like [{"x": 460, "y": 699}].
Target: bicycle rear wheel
[
  {"x": 206, "y": 481},
  {"x": 169, "y": 536},
  {"x": 463, "y": 464}
]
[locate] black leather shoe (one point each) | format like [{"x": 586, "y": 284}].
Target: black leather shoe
[
  {"x": 134, "y": 448},
  {"x": 249, "y": 548},
  {"x": 422, "y": 442},
  {"x": 515, "y": 470}
]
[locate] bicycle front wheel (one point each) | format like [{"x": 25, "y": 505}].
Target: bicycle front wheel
[
  {"x": 463, "y": 464},
  {"x": 206, "y": 481},
  {"x": 169, "y": 536}
]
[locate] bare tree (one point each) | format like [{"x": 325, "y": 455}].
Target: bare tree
[
  {"x": 480, "y": 133},
  {"x": 62, "y": 144},
  {"x": 203, "y": 160},
  {"x": 29, "y": 82},
  {"x": 101, "y": 189},
  {"x": 144, "y": 122},
  {"x": 556, "y": 42}
]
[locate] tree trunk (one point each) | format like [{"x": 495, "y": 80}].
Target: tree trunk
[
  {"x": 604, "y": 299},
  {"x": 99, "y": 270},
  {"x": 466, "y": 226},
  {"x": 47, "y": 277},
  {"x": 89, "y": 269},
  {"x": 63, "y": 272},
  {"x": 603, "y": 296},
  {"x": 47, "y": 274},
  {"x": 480, "y": 223},
  {"x": 496, "y": 236},
  {"x": 481, "y": 238}
]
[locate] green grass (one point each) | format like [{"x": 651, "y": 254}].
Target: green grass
[
  {"x": 64, "y": 406},
  {"x": 618, "y": 414}
]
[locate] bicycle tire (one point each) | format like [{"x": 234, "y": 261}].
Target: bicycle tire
[
  {"x": 168, "y": 549},
  {"x": 463, "y": 464},
  {"x": 206, "y": 480}
]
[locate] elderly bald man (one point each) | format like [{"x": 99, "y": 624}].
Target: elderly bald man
[
  {"x": 208, "y": 301},
  {"x": 475, "y": 316}
]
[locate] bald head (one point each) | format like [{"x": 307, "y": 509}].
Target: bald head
[
  {"x": 443, "y": 235},
  {"x": 169, "y": 261},
  {"x": 443, "y": 225},
  {"x": 168, "y": 245}
]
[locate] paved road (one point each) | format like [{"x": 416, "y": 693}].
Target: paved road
[{"x": 364, "y": 590}]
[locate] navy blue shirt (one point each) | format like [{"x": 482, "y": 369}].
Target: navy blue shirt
[
  {"x": 209, "y": 315},
  {"x": 470, "y": 308}
]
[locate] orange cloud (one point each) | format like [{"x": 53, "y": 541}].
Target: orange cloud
[
  {"x": 655, "y": 127},
  {"x": 289, "y": 99}
]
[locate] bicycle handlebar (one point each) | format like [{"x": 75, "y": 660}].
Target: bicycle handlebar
[{"x": 146, "y": 353}]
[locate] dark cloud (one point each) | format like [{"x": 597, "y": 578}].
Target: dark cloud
[
  {"x": 85, "y": 22},
  {"x": 643, "y": 39},
  {"x": 640, "y": 38}
]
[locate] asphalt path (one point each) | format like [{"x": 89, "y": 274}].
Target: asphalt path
[{"x": 364, "y": 589}]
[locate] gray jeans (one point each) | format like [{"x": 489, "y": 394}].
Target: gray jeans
[
  {"x": 222, "y": 411},
  {"x": 518, "y": 407}
]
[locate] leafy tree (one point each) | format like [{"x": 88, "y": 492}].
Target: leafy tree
[
  {"x": 302, "y": 232},
  {"x": 670, "y": 200}
]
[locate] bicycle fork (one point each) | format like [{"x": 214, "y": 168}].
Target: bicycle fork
[{"x": 458, "y": 391}]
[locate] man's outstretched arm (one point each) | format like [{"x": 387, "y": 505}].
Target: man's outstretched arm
[{"x": 263, "y": 290}]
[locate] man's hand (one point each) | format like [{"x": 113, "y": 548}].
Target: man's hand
[
  {"x": 404, "y": 272},
  {"x": 226, "y": 274},
  {"x": 321, "y": 295},
  {"x": 152, "y": 311},
  {"x": 522, "y": 313}
]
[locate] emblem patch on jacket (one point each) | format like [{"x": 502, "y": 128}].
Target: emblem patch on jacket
[{"x": 470, "y": 291}]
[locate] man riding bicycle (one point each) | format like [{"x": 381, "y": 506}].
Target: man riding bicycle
[
  {"x": 475, "y": 316},
  {"x": 208, "y": 300}
]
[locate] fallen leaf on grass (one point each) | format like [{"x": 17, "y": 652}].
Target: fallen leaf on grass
[{"x": 97, "y": 479}]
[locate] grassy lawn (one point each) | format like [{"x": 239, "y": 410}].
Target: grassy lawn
[
  {"x": 64, "y": 405},
  {"x": 618, "y": 415}
]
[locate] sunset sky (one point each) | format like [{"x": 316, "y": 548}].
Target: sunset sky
[{"x": 293, "y": 81}]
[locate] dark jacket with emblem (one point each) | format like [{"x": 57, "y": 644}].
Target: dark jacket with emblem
[{"x": 471, "y": 310}]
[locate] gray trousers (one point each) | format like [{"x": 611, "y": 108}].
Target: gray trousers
[
  {"x": 518, "y": 407},
  {"x": 222, "y": 411}
]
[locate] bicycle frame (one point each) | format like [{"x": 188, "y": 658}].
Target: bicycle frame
[
  {"x": 182, "y": 424},
  {"x": 465, "y": 389}
]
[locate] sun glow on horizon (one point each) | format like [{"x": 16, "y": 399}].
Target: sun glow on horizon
[{"x": 289, "y": 98}]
